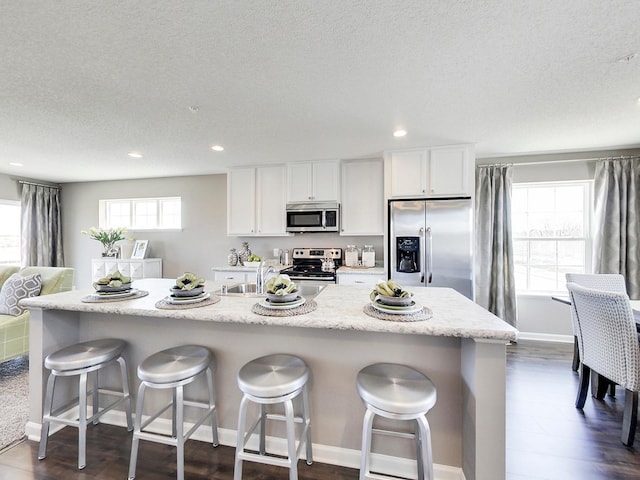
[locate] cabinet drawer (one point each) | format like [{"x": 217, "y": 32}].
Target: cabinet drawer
[
  {"x": 222, "y": 276},
  {"x": 356, "y": 279}
]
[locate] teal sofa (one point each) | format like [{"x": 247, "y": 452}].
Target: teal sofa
[{"x": 14, "y": 330}]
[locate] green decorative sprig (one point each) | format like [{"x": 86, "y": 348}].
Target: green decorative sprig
[{"x": 106, "y": 236}]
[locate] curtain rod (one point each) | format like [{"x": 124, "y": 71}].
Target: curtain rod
[
  {"x": 547, "y": 162},
  {"x": 39, "y": 184}
]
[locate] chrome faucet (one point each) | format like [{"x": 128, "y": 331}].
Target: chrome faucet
[{"x": 261, "y": 276}]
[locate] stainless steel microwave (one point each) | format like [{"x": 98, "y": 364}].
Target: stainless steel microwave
[{"x": 313, "y": 217}]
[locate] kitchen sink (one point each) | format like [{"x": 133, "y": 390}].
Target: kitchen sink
[{"x": 250, "y": 290}]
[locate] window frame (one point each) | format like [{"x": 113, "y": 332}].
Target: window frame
[
  {"x": 105, "y": 222},
  {"x": 587, "y": 237},
  {"x": 15, "y": 203}
]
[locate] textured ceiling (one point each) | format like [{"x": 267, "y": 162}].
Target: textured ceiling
[{"x": 83, "y": 83}]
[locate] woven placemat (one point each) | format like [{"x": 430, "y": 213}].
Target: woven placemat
[
  {"x": 164, "y": 305},
  {"x": 93, "y": 298},
  {"x": 306, "y": 307},
  {"x": 424, "y": 314}
]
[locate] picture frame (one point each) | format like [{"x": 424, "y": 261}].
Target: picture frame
[{"x": 140, "y": 249}]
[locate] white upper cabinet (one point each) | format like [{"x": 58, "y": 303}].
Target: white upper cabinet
[
  {"x": 432, "y": 172},
  {"x": 449, "y": 171},
  {"x": 271, "y": 200},
  {"x": 313, "y": 181},
  {"x": 409, "y": 173},
  {"x": 256, "y": 201},
  {"x": 362, "y": 197}
]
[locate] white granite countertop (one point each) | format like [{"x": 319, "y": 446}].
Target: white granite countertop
[
  {"x": 241, "y": 268},
  {"x": 340, "y": 307}
]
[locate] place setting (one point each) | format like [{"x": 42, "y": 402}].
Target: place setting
[
  {"x": 390, "y": 301},
  {"x": 115, "y": 287},
  {"x": 283, "y": 299},
  {"x": 188, "y": 292}
]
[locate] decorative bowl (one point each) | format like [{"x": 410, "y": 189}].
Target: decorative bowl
[
  {"x": 251, "y": 264},
  {"x": 289, "y": 297},
  {"x": 177, "y": 292},
  {"x": 397, "y": 301},
  {"x": 107, "y": 288}
]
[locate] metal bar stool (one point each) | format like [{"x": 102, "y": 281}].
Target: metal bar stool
[
  {"x": 174, "y": 368},
  {"x": 83, "y": 359},
  {"x": 272, "y": 379},
  {"x": 397, "y": 392}
]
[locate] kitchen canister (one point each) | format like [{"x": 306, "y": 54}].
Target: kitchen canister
[
  {"x": 351, "y": 256},
  {"x": 368, "y": 256}
]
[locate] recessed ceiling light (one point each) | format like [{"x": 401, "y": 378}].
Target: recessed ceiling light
[
  {"x": 217, "y": 148},
  {"x": 16, "y": 164},
  {"x": 399, "y": 133},
  {"x": 135, "y": 154}
]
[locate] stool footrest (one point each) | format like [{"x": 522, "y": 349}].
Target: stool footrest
[{"x": 391, "y": 433}]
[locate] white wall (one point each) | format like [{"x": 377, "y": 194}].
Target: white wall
[
  {"x": 203, "y": 242},
  {"x": 540, "y": 317}
]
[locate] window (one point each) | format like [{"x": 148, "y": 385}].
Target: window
[
  {"x": 141, "y": 213},
  {"x": 9, "y": 232},
  {"x": 551, "y": 225}
]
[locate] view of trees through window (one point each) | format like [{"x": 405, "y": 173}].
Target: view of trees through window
[
  {"x": 551, "y": 233},
  {"x": 9, "y": 232}
]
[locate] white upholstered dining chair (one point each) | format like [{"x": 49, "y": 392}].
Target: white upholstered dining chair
[
  {"x": 611, "y": 282},
  {"x": 609, "y": 346}
]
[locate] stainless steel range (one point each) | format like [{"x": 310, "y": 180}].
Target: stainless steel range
[{"x": 314, "y": 265}]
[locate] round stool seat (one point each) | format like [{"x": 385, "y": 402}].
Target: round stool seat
[
  {"x": 396, "y": 389},
  {"x": 84, "y": 355},
  {"x": 273, "y": 376},
  {"x": 174, "y": 364}
]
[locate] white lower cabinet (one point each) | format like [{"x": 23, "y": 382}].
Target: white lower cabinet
[
  {"x": 134, "y": 268},
  {"x": 366, "y": 279},
  {"x": 231, "y": 276}
]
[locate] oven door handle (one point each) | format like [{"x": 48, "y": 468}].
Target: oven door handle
[{"x": 319, "y": 279}]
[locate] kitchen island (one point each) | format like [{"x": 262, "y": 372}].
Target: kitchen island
[{"x": 461, "y": 348}]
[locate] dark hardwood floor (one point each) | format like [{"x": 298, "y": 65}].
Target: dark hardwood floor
[{"x": 547, "y": 438}]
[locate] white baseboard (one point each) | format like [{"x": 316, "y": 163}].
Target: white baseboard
[
  {"x": 343, "y": 457},
  {"x": 545, "y": 337}
]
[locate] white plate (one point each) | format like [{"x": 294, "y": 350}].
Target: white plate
[
  {"x": 396, "y": 310},
  {"x": 186, "y": 300},
  {"x": 127, "y": 293},
  {"x": 281, "y": 305}
]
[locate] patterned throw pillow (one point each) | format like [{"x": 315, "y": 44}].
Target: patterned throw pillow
[{"x": 15, "y": 289}]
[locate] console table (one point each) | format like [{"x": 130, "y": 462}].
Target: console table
[{"x": 134, "y": 268}]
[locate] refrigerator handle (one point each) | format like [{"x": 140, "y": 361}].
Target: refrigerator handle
[
  {"x": 422, "y": 261},
  {"x": 429, "y": 254}
]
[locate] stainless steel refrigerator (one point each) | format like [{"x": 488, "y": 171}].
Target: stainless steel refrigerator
[{"x": 430, "y": 243}]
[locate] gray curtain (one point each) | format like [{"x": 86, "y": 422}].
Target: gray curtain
[
  {"x": 495, "y": 280},
  {"x": 616, "y": 224},
  {"x": 41, "y": 226}
]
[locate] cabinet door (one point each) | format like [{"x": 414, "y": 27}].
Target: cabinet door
[
  {"x": 408, "y": 173},
  {"x": 137, "y": 270},
  {"x": 110, "y": 267},
  {"x": 448, "y": 172},
  {"x": 241, "y": 202},
  {"x": 326, "y": 181},
  {"x": 97, "y": 269},
  {"x": 271, "y": 200},
  {"x": 124, "y": 266},
  {"x": 362, "y": 207},
  {"x": 152, "y": 268},
  {"x": 299, "y": 181}
]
